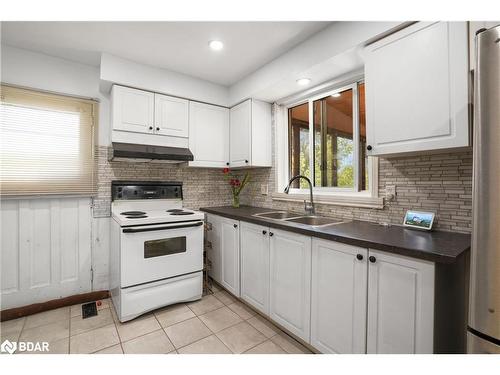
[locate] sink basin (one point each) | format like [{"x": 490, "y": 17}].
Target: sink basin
[
  {"x": 315, "y": 221},
  {"x": 281, "y": 215}
]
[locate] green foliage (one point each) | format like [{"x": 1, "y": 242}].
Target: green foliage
[
  {"x": 344, "y": 156},
  {"x": 345, "y": 177},
  {"x": 345, "y": 153}
]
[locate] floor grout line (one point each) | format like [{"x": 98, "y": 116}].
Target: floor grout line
[
  {"x": 21, "y": 331},
  {"x": 257, "y": 345},
  {"x": 69, "y": 331},
  {"x": 163, "y": 329},
  {"x": 234, "y": 300},
  {"x": 213, "y": 334}
]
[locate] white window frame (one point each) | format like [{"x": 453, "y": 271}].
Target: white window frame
[{"x": 328, "y": 195}]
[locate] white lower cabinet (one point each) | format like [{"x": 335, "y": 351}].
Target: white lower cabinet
[
  {"x": 230, "y": 255},
  {"x": 338, "y": 297},
  {"x": 254, "y": 266},
  {"x": 400, "y": 304},
  {"x": 224, "y": 252},
  {"x": 290, "y": 281},
  {"x": 214, "y": 249}
]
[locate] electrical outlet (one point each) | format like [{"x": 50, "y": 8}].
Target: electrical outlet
[
  {"x": 263, "y": 189},
  {"x": 390, "y": 192}
]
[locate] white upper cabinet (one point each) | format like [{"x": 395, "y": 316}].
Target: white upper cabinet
[
  {"x": 400, "y": 305},
  {"x": 290, "y": 286},
  {"x": 208, "y": 135},
  {"x": 217, "y": 136},
  {"x": 133, "y": 110},
  {"x": 254, "y": 266},
  {"x": 417, "y": 95},
  {"x": 338, "y": 297},
  {"x": 171, "y": 116},
  {"x": 250, "y": 134},
  {"x": 240, "y": 134}
]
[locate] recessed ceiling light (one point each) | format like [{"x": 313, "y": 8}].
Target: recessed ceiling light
[
  {"x": 303, "y": 81},
  {"x": 336, "y": 95},
  {"x": 216, "y": 45}
]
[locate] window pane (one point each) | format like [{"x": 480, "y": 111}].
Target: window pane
[
  {"x": 364, "y": 183},
  {"x": 333, "y": 141},
  {"x": 298, "y": 133},
  {"x": 46, "y": 143}
]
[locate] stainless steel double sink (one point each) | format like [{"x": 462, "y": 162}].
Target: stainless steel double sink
[{"x": 312, "y": 220}]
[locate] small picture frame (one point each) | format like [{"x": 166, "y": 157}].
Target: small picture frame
[{"x": 419, "y": 220}]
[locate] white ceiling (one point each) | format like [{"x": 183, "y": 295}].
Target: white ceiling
[{"x": 178, "y": 46}]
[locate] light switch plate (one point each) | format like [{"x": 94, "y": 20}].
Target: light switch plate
[
  {"x": 390, "y": 192},
  {"x": 263, "y": 189}
]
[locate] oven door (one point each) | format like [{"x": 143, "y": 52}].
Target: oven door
[{"x": 156, "y": 252}]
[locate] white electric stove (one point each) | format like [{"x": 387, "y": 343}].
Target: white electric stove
[{"x": 156, "y": 254}]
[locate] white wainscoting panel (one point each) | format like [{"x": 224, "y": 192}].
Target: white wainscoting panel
[
  {"x": 45, "y": 249},
  {"x": 100, "y": 252}
]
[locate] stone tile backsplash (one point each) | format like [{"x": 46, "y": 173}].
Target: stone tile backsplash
[
  {"x": 441, "y": 183},
  {"x": 201, "y": 186}
]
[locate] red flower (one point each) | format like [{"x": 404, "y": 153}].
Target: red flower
[
  {"x": 237, "y": 182},
  {"x": 225, "y": 170}
]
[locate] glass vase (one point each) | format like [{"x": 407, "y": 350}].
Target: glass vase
[{"x": 236, "y": 200}]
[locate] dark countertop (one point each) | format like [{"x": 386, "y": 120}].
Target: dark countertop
[{"x": 435, "y": 246}]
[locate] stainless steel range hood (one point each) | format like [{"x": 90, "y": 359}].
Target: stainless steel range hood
[{"x": 143, "y": 153}]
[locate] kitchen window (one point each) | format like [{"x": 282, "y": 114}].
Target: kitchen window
[
  {"x": 47, "y": 143},
  {"x": 326, "y": 141}
]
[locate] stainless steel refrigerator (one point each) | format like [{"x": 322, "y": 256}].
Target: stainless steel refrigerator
[{"x": 484, "y": 311}]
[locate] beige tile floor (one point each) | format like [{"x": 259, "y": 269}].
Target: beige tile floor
[{"x": 217, "y": 324}]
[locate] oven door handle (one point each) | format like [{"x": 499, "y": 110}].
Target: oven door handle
[{"x": 137, "y": 230}]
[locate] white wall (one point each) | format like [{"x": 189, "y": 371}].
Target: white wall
[
  {"x": 30, "y": 69},
  {"x": 330, "y": 53},
  {"x": 118, "y": 70}
]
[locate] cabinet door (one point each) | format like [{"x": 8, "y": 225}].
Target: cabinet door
[
  {"x": 261, "y": 148},
  {"x": 290, "y": 286},
  {"x": 171, "y": 116},
  {"x": 400, "y": 304},
  {"x": 133, "y": 110},
  {"x": 214, "y": 251},
  {"x": 254, "y": 265},
  {"x": 208, "y": 135},
  {"x": 338, "y": 297},
  {"x": 417, "y": 89},
  {"x": 240, "y": 134},
  {"x": 230, "y": 255}
]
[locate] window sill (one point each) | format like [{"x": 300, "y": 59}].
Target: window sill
[{"x": 350, "y": 200}]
